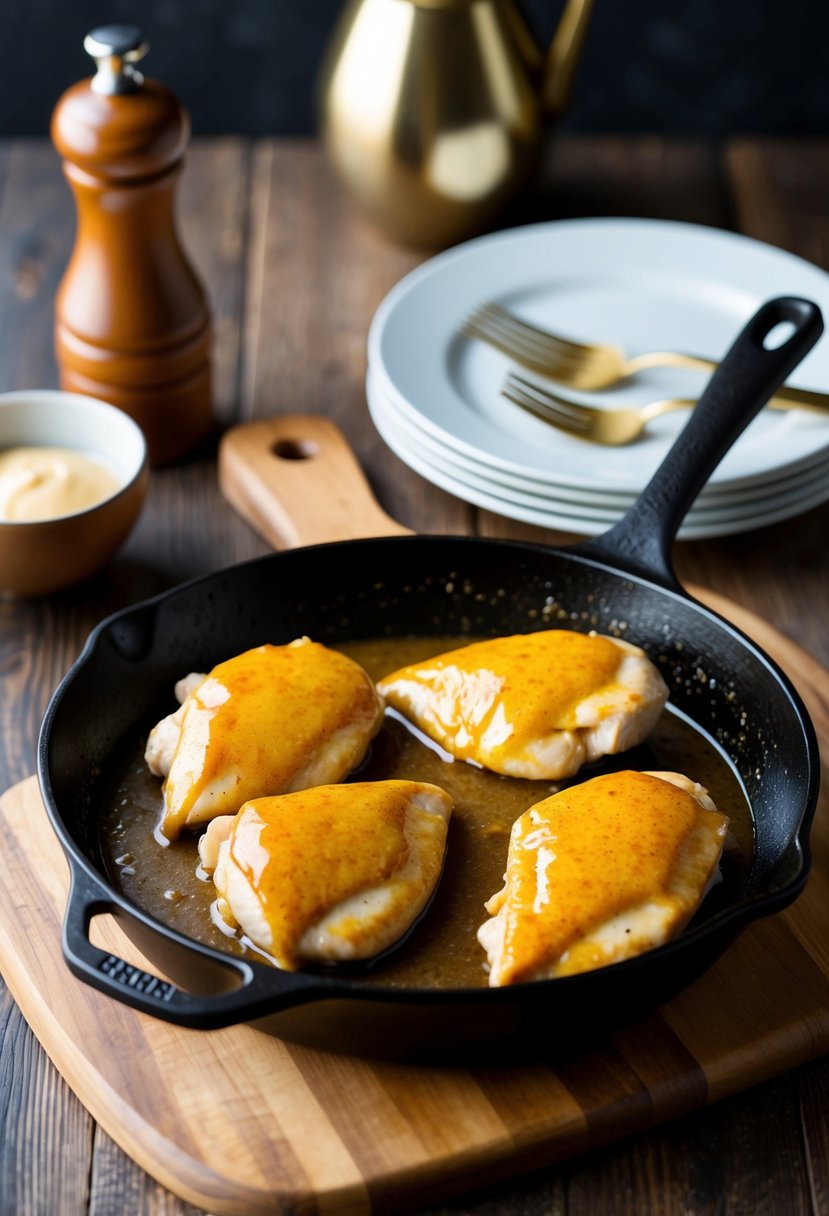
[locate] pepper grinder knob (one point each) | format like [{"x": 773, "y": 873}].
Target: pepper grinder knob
[{"x": 116, "y": 49}]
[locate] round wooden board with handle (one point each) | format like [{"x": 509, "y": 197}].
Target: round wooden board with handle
[{"x": 242, "y": 1123}]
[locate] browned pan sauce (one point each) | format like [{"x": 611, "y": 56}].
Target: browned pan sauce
[{"x": 442, "y": 951}]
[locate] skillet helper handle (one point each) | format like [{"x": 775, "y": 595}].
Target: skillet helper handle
[
  {"x": 297, "y": 482},
  {"x": 744, "y": 381},
  {"x": 243, "y": 989}
]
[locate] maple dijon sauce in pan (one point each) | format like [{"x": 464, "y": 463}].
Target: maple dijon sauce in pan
[{"x": 442, "y": 950}]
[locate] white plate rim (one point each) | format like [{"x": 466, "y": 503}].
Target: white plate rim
[
  {"x": 551, "y": 489},
  {"x": 662, "y": 229},
  {"x": 593, "y": 522}
]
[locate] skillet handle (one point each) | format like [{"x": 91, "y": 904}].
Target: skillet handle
[
  {"x": 242, "y": 992},
  {"x": 744, "y": 381}
]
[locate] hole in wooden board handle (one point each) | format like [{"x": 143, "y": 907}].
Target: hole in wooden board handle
[
  {"x": 296, "y": 480},
  {"x": 295, "y": 449}
]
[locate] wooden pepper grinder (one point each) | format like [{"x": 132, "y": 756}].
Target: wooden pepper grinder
[{"x": 132, "y": 324}]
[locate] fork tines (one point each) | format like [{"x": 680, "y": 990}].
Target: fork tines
[
  {"x": 538, "y": 401},
  {"x": 523, "y": 341}
]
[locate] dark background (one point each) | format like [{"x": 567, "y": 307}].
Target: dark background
[{"x": 695, "y": 67}]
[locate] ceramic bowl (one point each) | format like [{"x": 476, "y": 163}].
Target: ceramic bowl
[{"x": 44, "y": 555}]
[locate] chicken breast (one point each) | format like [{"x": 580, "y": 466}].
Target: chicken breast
[
  {"x": 163, "y": 738},
  {"x": 537, "y": 705},
  {"x": 271, "y": 720},
  {"x": 600, "y": 872},
  {"x": 334, "y": 873}
]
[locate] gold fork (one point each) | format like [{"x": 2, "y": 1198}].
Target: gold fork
[
  {"x": 612, "y": 427},
  {"x": 590, "y": 366}
]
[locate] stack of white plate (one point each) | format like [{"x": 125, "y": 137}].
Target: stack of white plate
[{"x": 643, "y": 285}]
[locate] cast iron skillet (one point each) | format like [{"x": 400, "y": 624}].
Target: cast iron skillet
[{"x": 365, "y": 588}]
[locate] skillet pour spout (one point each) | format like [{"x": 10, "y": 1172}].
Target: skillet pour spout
[{"x": 399, "y": 583}]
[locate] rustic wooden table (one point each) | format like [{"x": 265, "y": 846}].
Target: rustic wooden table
[{"x": 294, "y": 278}]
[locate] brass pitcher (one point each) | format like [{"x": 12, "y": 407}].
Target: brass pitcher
[{"x": 433, "y": 111}]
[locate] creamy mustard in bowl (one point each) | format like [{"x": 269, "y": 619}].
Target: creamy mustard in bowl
[{"x": 49, "y": 482}]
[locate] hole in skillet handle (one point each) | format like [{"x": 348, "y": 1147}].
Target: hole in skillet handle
[
  {"x": 242, "y": 991},
  {"x": 751, "y": 372}
]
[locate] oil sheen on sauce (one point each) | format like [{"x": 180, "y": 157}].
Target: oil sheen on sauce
[{"x": 442, "y": 949}]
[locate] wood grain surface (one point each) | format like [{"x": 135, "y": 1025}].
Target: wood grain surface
[
  {"x": 313, "y": 1132},
  {"x": 294, "y": 277}
]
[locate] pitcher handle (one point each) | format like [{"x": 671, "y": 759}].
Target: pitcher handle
[{"x": 563, "y": 56}]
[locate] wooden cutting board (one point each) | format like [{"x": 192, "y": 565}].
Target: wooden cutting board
[{"x": 239, "y": 1122}]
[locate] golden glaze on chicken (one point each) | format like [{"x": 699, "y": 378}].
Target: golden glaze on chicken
[
  {"x": 537, "y": 705},
  {"x": 600, "y": 872},
  {"x": 271, "y": 720},
  {"x": 333, "y": 873}
]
